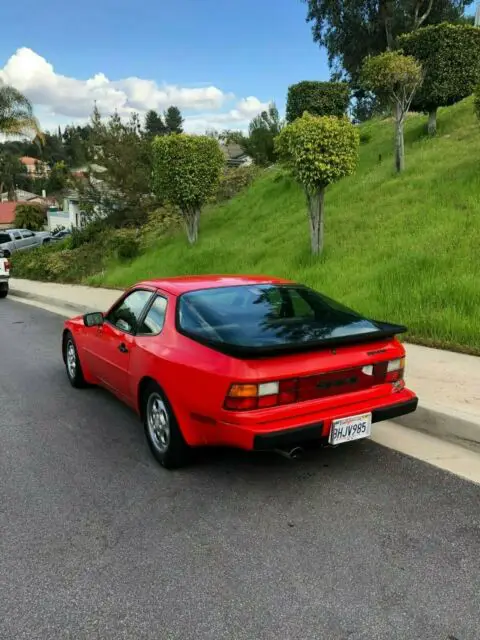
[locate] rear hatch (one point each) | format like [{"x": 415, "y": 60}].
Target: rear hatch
[{"x": 292, "y": 344}]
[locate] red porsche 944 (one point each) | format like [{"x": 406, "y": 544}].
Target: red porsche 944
[{"x": 250, "y": 362}]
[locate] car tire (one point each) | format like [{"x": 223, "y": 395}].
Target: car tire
[
  {"x": 4, "y": 292},
  {"x": 162, "y": 431},
  {"x": 72, "y": 362}
]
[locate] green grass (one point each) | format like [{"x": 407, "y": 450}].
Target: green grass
[{"x": 404, "y": 249}]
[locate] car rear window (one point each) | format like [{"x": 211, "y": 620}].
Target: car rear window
[
  {"x": 268, "y": 316},
  {"x": 4, "y": 237}
]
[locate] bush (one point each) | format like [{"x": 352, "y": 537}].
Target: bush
[
  {"x": 126, "y": 243},
  {"x": 318, "y": 151},
  {"x": 89, "y": 233},
  {"x": 186, "y": 172},
  {"x": 234, "y": 181},
  {"x": 450, "y": 57},
  {"x": 30, "y": 216},
  {"x": 159, "y": 222},
  {"x": 318, "y": 98}
]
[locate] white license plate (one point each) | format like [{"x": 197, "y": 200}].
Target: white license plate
[{"x": 348, "y": 429}]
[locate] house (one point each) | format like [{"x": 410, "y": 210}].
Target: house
[
  {"x": 70, "y": 216},
  {"x": 7, "y": 214},
  {"x": 235, "y": 156},
  {"x": 35, "y": 167}
]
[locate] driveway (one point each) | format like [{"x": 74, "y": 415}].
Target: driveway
[{"x": 97, "y": 541}]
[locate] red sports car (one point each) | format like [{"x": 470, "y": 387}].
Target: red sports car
[{"x": 252, "y": 362}]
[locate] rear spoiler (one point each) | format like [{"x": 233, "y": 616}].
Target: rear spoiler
[{"x": 385, "y": 331}]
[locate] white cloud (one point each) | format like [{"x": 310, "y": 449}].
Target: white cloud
[{"x": 60, "y": 98}]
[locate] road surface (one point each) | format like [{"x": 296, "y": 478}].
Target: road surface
[{"x": 98, "y": 541}]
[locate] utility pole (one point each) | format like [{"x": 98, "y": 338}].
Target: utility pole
[{"x": 477, "y": 15}]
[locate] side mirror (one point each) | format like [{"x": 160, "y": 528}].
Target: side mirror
[{"x": 94, "y": 319}]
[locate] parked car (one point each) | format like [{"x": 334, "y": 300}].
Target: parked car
[
  {"x": 12, "y": 240},
  {"x": 58, "y": 236},
  {"x": 4, "y": 274},
  {"x": 249, "y": 362}
]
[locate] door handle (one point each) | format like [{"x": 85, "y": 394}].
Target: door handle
[{"x": 122, "y": 347}]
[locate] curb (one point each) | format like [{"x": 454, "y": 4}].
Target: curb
[
  {"x": 457, "y": 427},
  {"x": 460, "y": 428},
  {"x": 69, "y": 307}
]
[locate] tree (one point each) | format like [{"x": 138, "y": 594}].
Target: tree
[
  {"x": 351, "y": 30},
  {"x": 173, "y": 120},
  {"x": 13, "y": 174},
  {"x": 262, "y": 131},
  {"x": 450, "y": 57},
  {"x": 16, "y": 114},
  {"x": 187, "y": 170},
  {"x": 58, "y": 178},
  {"x": 29, "y": 216},
  {"x": 477, "y": 101},
  {"x": 318, "y": 98},
  {"x": 318, "y": 151},
  {"x": 154, "y": 125},
  {"x": 120, "y": 167},
  {"x": 395, "y": 78}
]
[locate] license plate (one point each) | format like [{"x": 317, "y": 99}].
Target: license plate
[{"x": 348, "y": 429}]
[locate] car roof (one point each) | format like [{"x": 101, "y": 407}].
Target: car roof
[{"x": 185, "y": 284}]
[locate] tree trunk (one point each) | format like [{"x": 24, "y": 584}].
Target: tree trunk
[
  {"x": 399, "y": 140},
  {"x": 316, "y": 217},
  {"x": 191, "y": 221},
  {"x": 432, "y": 122}
]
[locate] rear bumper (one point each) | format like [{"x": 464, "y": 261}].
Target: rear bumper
[{"x": 268, "y": 437}]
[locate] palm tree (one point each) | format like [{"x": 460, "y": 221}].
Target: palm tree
[{"x": 16, "y": 114}]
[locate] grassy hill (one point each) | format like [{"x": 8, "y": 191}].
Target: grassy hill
[{"x": 404, "y": 249}]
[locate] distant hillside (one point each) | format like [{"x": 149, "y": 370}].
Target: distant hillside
[{"x": 405, "y": 249}]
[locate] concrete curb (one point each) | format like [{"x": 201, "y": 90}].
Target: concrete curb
[
  {"x": 445, "y": 423},
  {"x": 441, "y": 422},
  {"x": 68, "y": 307}
]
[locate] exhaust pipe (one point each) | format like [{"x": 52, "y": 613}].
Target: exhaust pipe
[{"x": 291, "y": 454}]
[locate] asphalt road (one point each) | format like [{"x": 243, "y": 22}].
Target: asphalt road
[{"x": 97, "y": 541}]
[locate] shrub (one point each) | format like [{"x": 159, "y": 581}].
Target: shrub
[
  {"x": 234, "y": 181},
  {"x": 126, "y": 243},
  {"x": 30, "y": 216},
  {"x": 89, "y": 233},
  {"x": 450, "y": 57},
  {"x": 476, "y": 100},
  {"x": 318, "y": 98},
  {"x": 318, "y": 151},
  {"x": 187, "y": 171}
]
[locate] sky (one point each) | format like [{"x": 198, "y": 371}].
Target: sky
[{"x": 220, "y": 61}]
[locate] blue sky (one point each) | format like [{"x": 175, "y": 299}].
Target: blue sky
[{"x": 245, "y": 47}]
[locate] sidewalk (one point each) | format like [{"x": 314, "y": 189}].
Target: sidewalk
[{"x": 447, "y": 383}]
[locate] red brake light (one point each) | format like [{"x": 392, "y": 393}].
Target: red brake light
[{"x": 248, "y": 396}]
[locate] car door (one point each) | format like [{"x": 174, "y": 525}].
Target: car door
[
  {"x": 29, "y": 239},
  {"x": 111, "y": 344},
  {"x": 18, "y": 241}
]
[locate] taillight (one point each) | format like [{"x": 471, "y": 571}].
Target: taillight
[
  {"x": 249, "y": 396},
  {"x": 8, "y": 265},
  {"x": 395, "y": 369}
]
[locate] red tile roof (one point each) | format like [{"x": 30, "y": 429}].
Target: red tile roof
[
  {"x": 7, "y": 212},
  {"x": 29, "y": 160}
]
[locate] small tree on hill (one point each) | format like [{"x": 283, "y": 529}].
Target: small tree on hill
[
  {"x": 187, "y": 171},
  {"x": 450, "y": 57},
  {"x": 318, "y": 151},
  {"x": 394, "y": 78},
  {"x": 318, "y": 98},
  {"x": 173, "y": 120},
  {"x": 29, "y": 216}
]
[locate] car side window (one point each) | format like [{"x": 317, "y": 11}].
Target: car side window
[
  {"x": 17, "y": 235},
  {"x": 127, "y": 313},
  {"x": 27, "y": 234},
  {"x": 153, "y": 323}
]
